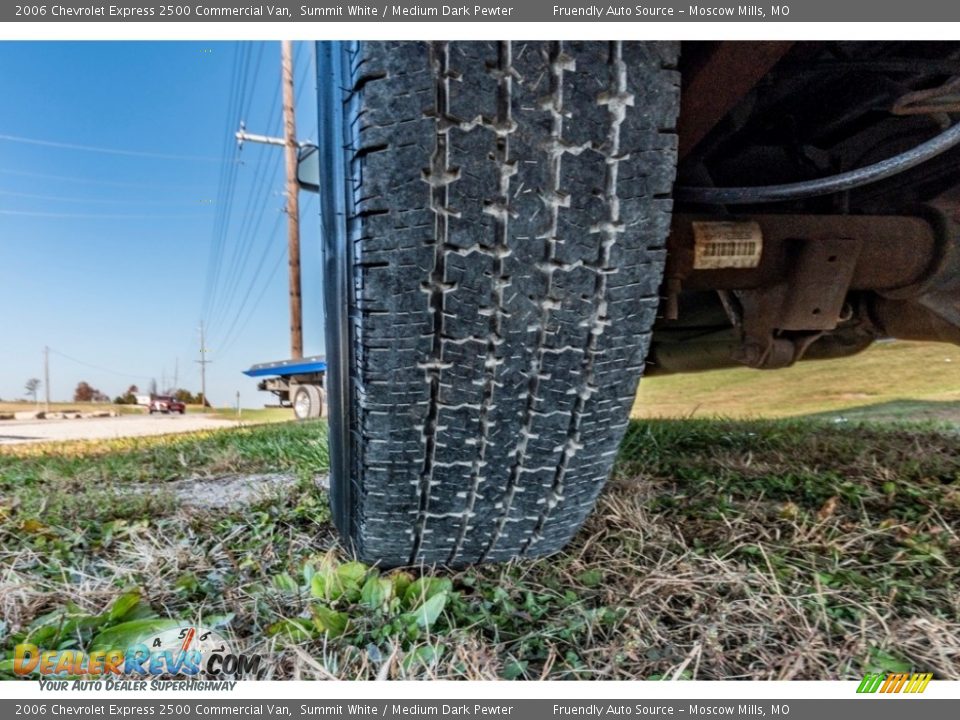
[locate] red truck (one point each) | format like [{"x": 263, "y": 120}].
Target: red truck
[{"x": 166, "y": 404}]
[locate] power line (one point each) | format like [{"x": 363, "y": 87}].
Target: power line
[
  {"x": 301, "y": 82},
  {"x": 93, "y": 181},
  {"x": 253, "y": 308},
  {"x": 224, "y": 285},
  {"x": 97, "y": 216},
  {"x": 229, "y": 340},
  {"x": 96, "y": 367},
  {"x": 243, "y": 79},
  {"x": 93, "y": 201},
  {"x": 257, "y": 204},
  {"x": 256, "y": 78},
  {"x": 225, "y": 217},
  {"x": 229, "y": 277},
  {"x": 225, "y": 185},
  {"x": 256, "y": 275},
  {"x": 257, "y": 198},
  {"x": 105, "y": 150},
  {"x": 290, "y": 144}
]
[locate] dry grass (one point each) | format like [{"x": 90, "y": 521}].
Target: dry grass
[
  {"x": 99, "y": 448},
  {"x": 256, "y": 415},
  {"x": 712, "y": 613},
  {"x": 721, "y": 550},
  {"x": 16, "y": 406},
  {"x": 888, "y": 381}
]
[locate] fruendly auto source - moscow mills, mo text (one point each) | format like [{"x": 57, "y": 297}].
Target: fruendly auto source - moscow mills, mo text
[{"x": 661, "y": 11}]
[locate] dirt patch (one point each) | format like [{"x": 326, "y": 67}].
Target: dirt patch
[{"x": 230, "y": 492}]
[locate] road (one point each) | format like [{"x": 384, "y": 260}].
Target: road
[{"x": 25, "y": 431}]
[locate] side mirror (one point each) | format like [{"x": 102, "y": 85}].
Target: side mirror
[{"x": 308, "y": 168}]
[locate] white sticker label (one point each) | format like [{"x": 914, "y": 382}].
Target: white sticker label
[{"x": 718, "y": 245}]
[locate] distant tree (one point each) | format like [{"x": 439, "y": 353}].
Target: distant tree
[
  {"x": 31, "y": 386},
  {"x": 185, "y": 396},
  {"x": 153, "y": 387},
  {"x": 128, "y": 398},
  {"x": 85, "y": 392}
]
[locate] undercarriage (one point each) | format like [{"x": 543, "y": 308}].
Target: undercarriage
[{"x": 816, "y": 205}]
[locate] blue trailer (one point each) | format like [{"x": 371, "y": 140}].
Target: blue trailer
[{"x": 297, "y": 383}]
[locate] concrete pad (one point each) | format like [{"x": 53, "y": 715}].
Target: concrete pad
[
  {"x": 29, "y": 415},
  {"x": 32, "y": 430}
]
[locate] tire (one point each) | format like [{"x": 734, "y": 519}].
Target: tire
[
  {"x": 307, "y": 402},
  {"x": 507, "y": 206}
]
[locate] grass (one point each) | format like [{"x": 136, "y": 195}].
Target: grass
[
  {"x": 890, "y": 381},
  {"x": 256, "y": 415},
  {"x": 721, "y": 549}
]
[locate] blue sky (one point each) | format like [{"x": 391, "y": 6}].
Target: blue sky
[{"x": 116, "y": 162}]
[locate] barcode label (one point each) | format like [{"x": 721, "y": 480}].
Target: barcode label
[
  {"x": 720, "y": 245},
  {"x": 732, "y": 248}
]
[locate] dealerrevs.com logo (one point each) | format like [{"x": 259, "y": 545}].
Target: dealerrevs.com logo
[
  {"x": 911, "y": 683},
  {"x": 186, "y": 651}
]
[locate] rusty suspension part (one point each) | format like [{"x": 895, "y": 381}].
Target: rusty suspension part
[
  {"x": 790, "y": 286},
  {"x": 886, "y": 252}
]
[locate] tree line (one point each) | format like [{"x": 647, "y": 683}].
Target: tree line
[{"x": 85, "y": 392}]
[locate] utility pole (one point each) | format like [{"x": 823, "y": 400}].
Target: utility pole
[
  {"x": 203, "y": 365},
  {"x": 46, "y": 378},
  {"x": 176, "y": 374},
  {"x": 291, "y": 148},
  {"x": 293, "y": 200}
]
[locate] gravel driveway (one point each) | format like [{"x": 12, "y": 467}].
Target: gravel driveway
[{"x": 24, "y": 431}]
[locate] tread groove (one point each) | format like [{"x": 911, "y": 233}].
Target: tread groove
[
  {"x": 553, "y": 199},
  {"x": 617, "y": 100},
  {"x": 505, "y": 228},
  {"x": 499, "y": 208},
  {"x": 438, "y": 176}
]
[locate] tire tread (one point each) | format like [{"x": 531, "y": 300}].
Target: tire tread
[{"x": 511, "y": 208}]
